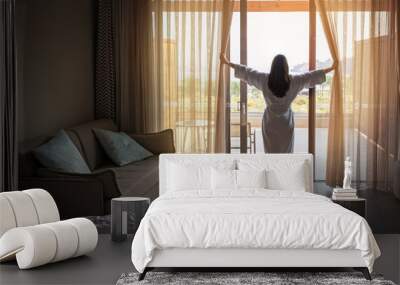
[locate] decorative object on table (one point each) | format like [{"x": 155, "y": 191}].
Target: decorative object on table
[
  {"x": 31, "y": 231},
  {"x": 357, "y": 205},
  {"x": 347, "y": 173},
  {"x": 248, "y": 278},
  {"x": 346, "y": 192},
  {"x": 124, "y": 211}
]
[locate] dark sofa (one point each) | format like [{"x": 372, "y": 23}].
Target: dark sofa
[{"x": 90, "y": 194}]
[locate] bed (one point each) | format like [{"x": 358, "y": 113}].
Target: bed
[{"x": 246, "y": 211}]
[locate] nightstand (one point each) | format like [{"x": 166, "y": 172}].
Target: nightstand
[{"x": 358, "y": 206}]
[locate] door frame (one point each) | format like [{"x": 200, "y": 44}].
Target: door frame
[{"x": 243, "y": 85}]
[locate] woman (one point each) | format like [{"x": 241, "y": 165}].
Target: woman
[{"x": 279, "y": 89}]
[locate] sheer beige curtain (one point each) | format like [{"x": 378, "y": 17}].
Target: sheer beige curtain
[
  {"x": 364, "y": 110},
  {"x": 188, "y": 37}
]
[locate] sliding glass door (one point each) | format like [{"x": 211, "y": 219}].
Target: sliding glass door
[{"x": 270, "y": 28}]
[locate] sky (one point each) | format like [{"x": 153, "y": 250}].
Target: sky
[
  {"x": 272, "y": 33},
  {"x": 269, "y": 33}
]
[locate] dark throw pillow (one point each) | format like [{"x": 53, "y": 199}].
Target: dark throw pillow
[
  {"x": 61, "y": 154},
  {"x": 120, "y": 147}
]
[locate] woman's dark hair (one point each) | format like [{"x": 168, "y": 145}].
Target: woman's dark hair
[{"x": 279, "y": 79}]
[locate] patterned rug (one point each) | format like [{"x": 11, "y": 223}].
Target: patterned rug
[
  {"x": 102, "y": 223},
  {"x": 244, "y": 278}
]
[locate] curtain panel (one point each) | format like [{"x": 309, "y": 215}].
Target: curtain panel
[
  {"x": 220, "y": 138},
  {"x": 8, "y": 98},
  {"x": 124, "y": 64},
  {"x": 105, "y": 81},
  {"x": 138, "y": 104},
  {"x": 364, "y": 107},
  {"x": 189, "y": 36},
  {"x": 161, "y": 58}
]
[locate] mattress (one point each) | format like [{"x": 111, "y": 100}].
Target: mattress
[{"x": 250, "y": 219}]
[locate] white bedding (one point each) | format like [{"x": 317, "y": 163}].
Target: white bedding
[{"x": 251, "y": 218}]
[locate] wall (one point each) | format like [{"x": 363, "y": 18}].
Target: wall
[{"x": 56, "y": 65}]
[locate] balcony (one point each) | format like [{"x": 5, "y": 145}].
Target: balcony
[{"x": 300, "y": 134}]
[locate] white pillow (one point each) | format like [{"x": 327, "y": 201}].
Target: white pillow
[
  {"x": 182, "y": 177},
  {"x": 223, "y": 179},
  {"x": 193, "y": 174},
  {"x": 236, "y": 179},
  {"x": 293, "y": 180},
  {"x": 251, "y": 178},
  {"x": 283, "y": 174}
]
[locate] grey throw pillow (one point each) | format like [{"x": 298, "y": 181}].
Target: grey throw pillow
[
  {"x": 61, "y": 154},
  {"x": 120, "y": 147}
]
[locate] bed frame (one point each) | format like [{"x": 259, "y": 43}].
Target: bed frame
[
  {"x": 249, "y": 258},
  {"x": 245, "y": 259}
]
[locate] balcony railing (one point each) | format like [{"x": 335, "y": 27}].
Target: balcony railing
[{"x": 300, "y": 119}]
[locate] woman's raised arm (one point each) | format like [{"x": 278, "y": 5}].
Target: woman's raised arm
[
  {"x": 329, "y": 69},
  {"x": 244, "y": 73},
  {"x": 224, "y": 60},
  {"x": 315, "y": 77}
]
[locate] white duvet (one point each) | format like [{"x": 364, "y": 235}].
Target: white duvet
[{"x": 252, "y": 218}]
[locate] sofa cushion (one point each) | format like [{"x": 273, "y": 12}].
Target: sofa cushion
[
  {"x": 27, "y": 162},
  {"x": 138, "y": 178},
  {"x": 120, "y": 147},
  {"x": 93, "y": 152},
  {"x": 61, "y": 154},
  {"x": 157, "y": 143},
  {"x": 74, "y": 138}
]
